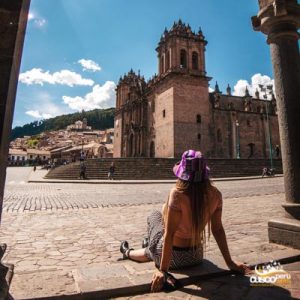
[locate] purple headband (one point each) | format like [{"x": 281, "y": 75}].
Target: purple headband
[{"x": 192, "y": 167}]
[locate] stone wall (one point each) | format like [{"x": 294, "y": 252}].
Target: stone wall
[
  {"x": 164, "y": 123},
  {"x": 243, "y": 122},
  {"x": 192, "y": 115}
]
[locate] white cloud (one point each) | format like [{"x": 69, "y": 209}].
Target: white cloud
[
  {"x": 63, "y": 77},
  {"x": 100, "y": 97},
  {"x": 89, "y": 65},
  {"x": 30, "y": 16},
  {"x": 210, "y": 90},
  {"x": 43, "y": 107},
  {"x": 256, "y": 81},
  {"x": 38, "y": 115},
  {"x": 38, "y": 21},
  {"x": 240, "y": 87}
]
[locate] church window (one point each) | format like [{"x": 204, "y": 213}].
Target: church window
[
  {"x": 195, "y": 61},
  {"x": 219, "y": 136},
  {"x": 199, "y": 137},
  {"x": 198, "y": 118},
  {"x": 162, "y": 66},
  {"x": 168, "y": 61},
  {"x": 182, "y": 58},
  {"x": 164, "y": 113},
  {"x": 248, "y": 123}
]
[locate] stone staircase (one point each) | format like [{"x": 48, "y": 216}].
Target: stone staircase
[{"x": 159, "y": 168}]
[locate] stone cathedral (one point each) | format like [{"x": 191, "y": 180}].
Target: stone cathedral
[{"x": 174, "y": 110}]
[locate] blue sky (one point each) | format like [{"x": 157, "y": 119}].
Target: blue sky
[{"x": 76, "y": 50}]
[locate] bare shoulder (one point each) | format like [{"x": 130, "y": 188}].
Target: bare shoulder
[
  {"x": 215, "y": 192},
  {"x": 175, "y": 199},
  {"x": 175, "y": 193}
]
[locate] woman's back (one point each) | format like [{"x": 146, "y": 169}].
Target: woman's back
[
  {"x": 179, "y": 200},
  {"x": 177, "y": 236}
]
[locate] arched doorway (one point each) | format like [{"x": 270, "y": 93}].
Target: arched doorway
[{"x": 152, "y": 149}]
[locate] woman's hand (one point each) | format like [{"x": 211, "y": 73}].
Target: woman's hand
[
  {"x": 239, "y": 267},
  {"x": 157, "y": 282}
]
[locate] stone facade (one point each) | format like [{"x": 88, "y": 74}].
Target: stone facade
[{"x": 174, "y": 110}]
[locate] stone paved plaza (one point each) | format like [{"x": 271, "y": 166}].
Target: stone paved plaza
[
  {"x": 53, "y": 229},
  {"x": 23, "y": 197}
]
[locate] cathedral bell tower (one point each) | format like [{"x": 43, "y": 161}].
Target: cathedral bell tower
[
  {"x": 181, "y": 50},
  {"x": 130, "y": 116},
  {"x": 182, "y": 110}
]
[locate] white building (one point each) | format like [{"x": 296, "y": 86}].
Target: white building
[{"x": 17, "y": 157}]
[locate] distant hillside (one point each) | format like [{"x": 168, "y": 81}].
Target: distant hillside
[{"x": 97, "y": 118}]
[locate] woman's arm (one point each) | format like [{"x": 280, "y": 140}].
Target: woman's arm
[
  {"x": 171, "y": 224},
  {"x": 219, "y": 234},
  {"x": 220, "y": 237}
]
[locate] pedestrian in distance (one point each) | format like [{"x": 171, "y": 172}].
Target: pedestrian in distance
[
  {"x": 176, "y": 235},
  {"x": 277, "y": 151},
  {"x": 82, "y": 156},
  {"x": 111, "y": 171},
  {"x": 82, "y": 174},
  {"x": 268, "y": 172}
]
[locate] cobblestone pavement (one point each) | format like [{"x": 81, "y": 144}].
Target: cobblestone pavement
[
  {"x": 69, "y": 238},
  {"x": 23, "y": 197},
  {"x": 47, "y": 244}
]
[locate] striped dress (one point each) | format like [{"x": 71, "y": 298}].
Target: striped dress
[{"x": 181, "y": 257}]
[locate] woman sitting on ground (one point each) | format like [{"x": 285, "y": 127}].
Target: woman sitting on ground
[{"x": 176, "y": 236}]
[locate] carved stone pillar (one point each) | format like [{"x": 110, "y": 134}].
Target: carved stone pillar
[{"x": 280, "y": 20}]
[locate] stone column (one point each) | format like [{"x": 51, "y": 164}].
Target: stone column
[
  {"x": 280, "y": 20},
  {"x": 13, "y": 20}
]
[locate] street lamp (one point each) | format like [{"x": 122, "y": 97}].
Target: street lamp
[
  {"x": 237, "y": 125},
  {"x": 269, "y": 89}
]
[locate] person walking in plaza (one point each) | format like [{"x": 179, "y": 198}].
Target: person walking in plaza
[
  {"x": 277, "y": 151},
  {"x": 111, "y": 171},
  {"x": 177, "y": 236},
  {"x": 82, "y": 174},
  {"x": 82, "y": 156}
]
